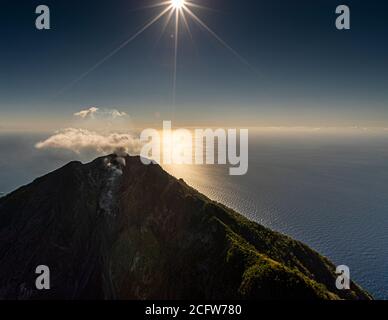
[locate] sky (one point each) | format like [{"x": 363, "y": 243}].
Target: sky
[{"x": 300, "y": 70}]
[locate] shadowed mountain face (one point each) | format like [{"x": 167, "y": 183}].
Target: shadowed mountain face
[{"x": 115, "y": 229}]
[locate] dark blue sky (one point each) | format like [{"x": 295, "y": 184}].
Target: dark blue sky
[{"x": 303, "y": 70}]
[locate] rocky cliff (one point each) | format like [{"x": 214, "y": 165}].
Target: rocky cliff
[{"x": 117, "y": 229}]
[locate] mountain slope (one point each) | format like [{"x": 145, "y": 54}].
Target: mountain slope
[{"x": 113, "y": 231}]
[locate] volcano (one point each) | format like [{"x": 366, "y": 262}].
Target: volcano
[{"x": 118, "y": 229}]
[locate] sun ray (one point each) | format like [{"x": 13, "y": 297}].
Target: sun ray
[
  {"x": 218, "y": 38},
  {"x": 177, "y": 15},
  {"x": 112, "y": 53},
  {"x": 165, "y": 25},
  {"x": 186, "y": 23},
  {"x": 173, "y": 8},
  {"x": 198, "y": 6}
]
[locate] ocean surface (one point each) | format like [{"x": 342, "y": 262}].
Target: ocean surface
[{"x": 327, "y": 190}]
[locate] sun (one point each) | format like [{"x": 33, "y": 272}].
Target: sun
[
  {"x": 179, "y": 12},
  {"x": 178, "y": 4}
]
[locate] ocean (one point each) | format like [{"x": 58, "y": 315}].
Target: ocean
[{"x": 328, "y": 190}]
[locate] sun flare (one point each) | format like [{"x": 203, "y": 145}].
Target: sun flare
[
  {"x": 178, "y": 4},
  {"x": 180, "y": 13}
]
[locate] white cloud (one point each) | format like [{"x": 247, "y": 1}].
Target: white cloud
[
  {"x": 80, "y": 140},
  {"x": 117, "y": 114},
  {"x": 96, "y": 113},
  {"x": 86, "y": 113}
]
